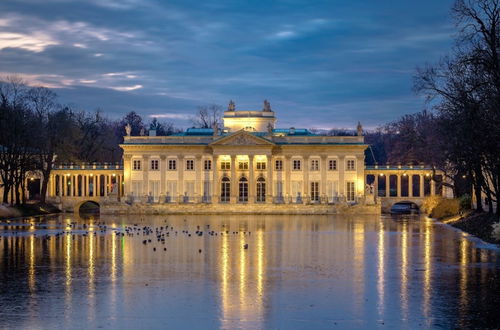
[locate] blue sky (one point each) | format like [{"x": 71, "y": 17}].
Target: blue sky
[{"x": 321, "y": 64}]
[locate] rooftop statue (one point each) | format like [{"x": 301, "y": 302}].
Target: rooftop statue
[
  {"x": 128, "y": 129},
  {"x": 267, "y": 106},
  {"x": 231, "y": 106},
  {"x": 270, "y": 129},
  {"x": 359, "y": 129}
]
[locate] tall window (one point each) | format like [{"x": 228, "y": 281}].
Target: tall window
[
  {"x": 242, "y": 166},
  {"x": 332, "y": 164},
  {"x": 315, "y": 191},
  {"x": 243, "y": 191},
  {"x": 296, "y": 165},
  {"x": 225, "y": 165},
  {"x": 136, "y": 165},
  {"x": 278, "y": 165},
  {"x": 189, "y": 164},
  {"x": 225, "y": 189},
  {"x": 207, "y": 165},
  {"x": 279, "y": 188},
  {"x": 350, "y": 191},
  {"x": 261, "y": 189},
  {"x": 351, "y": 165},
  {"x": 261, "y": 165},
  {"x": 155, "y": 164},
  {"x": 314, "y": 164},
  {"x": 172, "y": 164}
]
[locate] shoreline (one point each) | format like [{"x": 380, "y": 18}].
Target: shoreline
[{"x": 478, "y": 225}]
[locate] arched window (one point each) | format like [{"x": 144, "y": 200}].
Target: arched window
[
  {"x": 261, "y": 189},
  {"x": 243, "y": 191},
  {"x": 225, "y": 189}
]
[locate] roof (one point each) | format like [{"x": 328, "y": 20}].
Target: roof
[{"x": 277, "y": 131}]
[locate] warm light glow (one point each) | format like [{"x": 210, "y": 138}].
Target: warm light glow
[
  {"x": 91, "y": 174},
  {"x": 114, "y": 174}
]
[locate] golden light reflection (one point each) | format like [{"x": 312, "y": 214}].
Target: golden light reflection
[
  {"x": 91, "y": 278},
  {"x": 464, "y": 261},
  {"x": 31, "y": 271},
  {"x": 243, "y": 275},
  {"x": 428, "y": 267},
  {"x": 404, "y": 270},
  {"x": 381, "y": 269},
  {"x": 359, "y": 263},
  {"x": 225, "y": 279},
  {"x": 68, "y": 282}
]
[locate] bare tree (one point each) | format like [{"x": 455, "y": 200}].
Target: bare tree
[{"x": 208, "y": 116}]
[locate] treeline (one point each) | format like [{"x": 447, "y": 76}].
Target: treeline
[
  {"x": 36, "y": 131},
  {"x": 461, "y": 134}
]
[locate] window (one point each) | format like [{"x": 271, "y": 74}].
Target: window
[
  {"x": 261, "y": 165},
  {"x": 350, "y": 191},
  {"x": 278, "y": 165},
  {"x": 207, "y": 165},
  {"x": 315, "y": 191},
  {"x": 332, "y": 165},
  {"x": 172, "y": 164},
  {"x": 314, "y": 164},
  {"x": 225, "y": 165},
  {"x": 189, "y": 164},
  {"x": 243, "y": 166},
  {"x": 261, "y": 189},
  {"x": 154, "y": 164},
  {"x": 279, "y": 188},
  {"x": 136, "y": 165},
  {"x": 351, "y": 165},
  {"x": 296, "y": 165},
  {"x": 225, "y": 189},
  {"x": 243, "y": 191}
]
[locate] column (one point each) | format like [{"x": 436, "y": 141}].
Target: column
[
  {"x": 398, "y": 186},
  {"x": 87, "y": 191},
  {"x": 252, "y": 196},
  {"x": 127, "y": 160},
  {"x": 145, "y": 175},
  {"x": 375, "y": 187},
  {"x": 421, "y": 185},
  {"x": 270, "y": 180},
  {"x": 388, "y": 185},
  {"x": 180, "y": 182},
  {"x": 234, "y": 180},
  {"x": 341, "y": 165},
  {"x": 215, "y": 179},
  {"x": 163, "y": 175},
  {"x": 97, "y": 184},
  {"x": 106, "y": 184},
  {"x": 433, "y": 187},
  {"x": 60, "y": 183},
  {"x": 305, "y": 172},
  {"x": 322, "y": 168},
  {"x": 198, "y": 185},
  {"x": 410, "y": 185},
  {"x": 72, "y": 186},
  {"x": 287, "y": 182}
]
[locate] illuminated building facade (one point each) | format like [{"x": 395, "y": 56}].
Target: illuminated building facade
[{"x": 248, "y": 161}]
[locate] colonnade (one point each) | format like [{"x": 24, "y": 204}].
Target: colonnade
[{"x": 86, "y": 183}]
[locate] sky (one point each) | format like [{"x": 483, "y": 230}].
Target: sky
[{"x": 321, "y": 64}]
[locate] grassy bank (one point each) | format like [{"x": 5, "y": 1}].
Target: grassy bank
[
  {"x": 477, "y": 224},
  {"x": 26, "y": 210}
]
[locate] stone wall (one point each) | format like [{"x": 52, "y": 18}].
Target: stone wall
[{"x": 143, "y": 208}]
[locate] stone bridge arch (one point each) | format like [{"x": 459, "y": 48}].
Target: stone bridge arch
[{"x": 89, "y": 205}]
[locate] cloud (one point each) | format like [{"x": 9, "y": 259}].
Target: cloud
[
  {"x": 171, "y": 116},
  {"x": 126, "y": 88},
  {"x": 34, "y": 42}
]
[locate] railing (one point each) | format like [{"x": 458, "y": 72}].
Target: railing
[
  {"x": 89, "y": 166},
  {"x": 398, "y": 167}
]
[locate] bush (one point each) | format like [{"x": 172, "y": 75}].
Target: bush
[{"x": 439, "y": 207}]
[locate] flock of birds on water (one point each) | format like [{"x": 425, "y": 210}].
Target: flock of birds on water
[{"x": 150, "y": 234}]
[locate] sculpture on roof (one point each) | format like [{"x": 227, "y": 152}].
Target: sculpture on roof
[
  {"x": 231, "y": 106},
  {"x": 270, "y": 129},
  {"x": 359, "y": 129},
  {"x": 267, "y": 106},
  {"x": 128, "y": 129}
]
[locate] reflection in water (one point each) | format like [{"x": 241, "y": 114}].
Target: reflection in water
[{"x": 305, "y": 271}]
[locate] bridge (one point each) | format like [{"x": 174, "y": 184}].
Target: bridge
[
  {"x": 71, "y": 186},
  {"x": 411, "y": 183}
]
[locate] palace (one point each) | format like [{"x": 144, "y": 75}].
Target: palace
[{"x": 248, "y": 161}]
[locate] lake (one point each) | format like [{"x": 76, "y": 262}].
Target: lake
[{"x": 240, "y": 271}]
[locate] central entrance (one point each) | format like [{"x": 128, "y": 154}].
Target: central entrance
[{"x": 243, "y": 190}]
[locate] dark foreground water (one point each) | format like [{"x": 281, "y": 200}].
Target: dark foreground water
[{"x": 296, "y": 272}]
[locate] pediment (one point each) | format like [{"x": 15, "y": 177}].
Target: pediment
[{"x": 242, "y": 138}]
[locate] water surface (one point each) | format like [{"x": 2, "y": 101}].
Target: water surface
[{"x": 295, "y": 272}]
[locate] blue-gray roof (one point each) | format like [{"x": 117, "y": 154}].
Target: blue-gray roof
[{"x": 209, "y": 131}]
